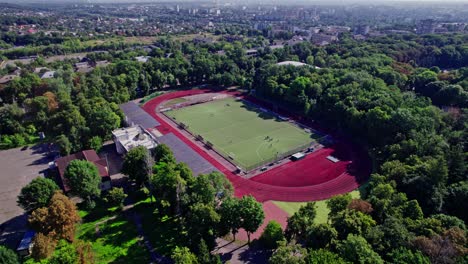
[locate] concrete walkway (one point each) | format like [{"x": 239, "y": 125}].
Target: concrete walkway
[
  {"x": 240, "y": 253},
  {"x": 155, "y": 257}
]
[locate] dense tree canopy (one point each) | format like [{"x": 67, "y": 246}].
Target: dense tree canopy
[
  {"x": 58, "y": 220},
  {"x": 8, "y": 256},
  {"x": 401, "y": 98},
  {"x": 83, "y": 178},
  {"x": 37, "y": 193},
  {"x": 272, "y": 234},
  {"x": 251, "y": 213},
  {"x": 138, "y": 164}
]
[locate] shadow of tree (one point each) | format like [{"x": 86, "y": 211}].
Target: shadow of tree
[
  {"x": 12, "y": 230},
  {"x": 255, "y": 253},
  {"x": 164, "y": 233},
  {"x": 135, "y": 254}
]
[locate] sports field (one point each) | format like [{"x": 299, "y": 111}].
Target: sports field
[{"x": 242, "y": 132}]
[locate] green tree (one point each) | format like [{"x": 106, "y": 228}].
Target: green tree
[
  {"x": 301, "y": 221},
  {"x": 406, "y": 256},
  {"x": 449, "y": 221},
  {"x": 251, "y": 213},
  {"x": 457, "y": 194},
  {"x": 8, "y": 256},
  {"x": 288, "y": 253},
  {"x": 162, "y": 153},
  {"x": 37, "y": 194},
  {"x": 10, "y": 119},
  {"x": 230, "y": 217},
  {"x": 412, "y": 210},
  {"x": 64, "y": 145},
  {"x": 95, "y": 143},
  {"x": 169, "y": 187},
  {"x": 203, "y": 255},
  {"x": 338, "y": 203},
  {"x": 356, "y": 249},
  {"x": 182, "y": 255},
  {"x": 116, "y": 196},
  {"x": 64, "y": 253},
  {"x": 210, "y": 188},
  {"x": 351, "y": 222},
  {"x": 138, "y": 165},
  {"x": 272, "y": 234},
  {"x": 201, "y": 223},
  {"x": 83, "y": 178},
  {"x": 102, "y": 121},
  {"x": 323, "y": 256},
  {"x": 321, "y": 236}
]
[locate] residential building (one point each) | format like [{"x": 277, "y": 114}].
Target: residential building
[{"x": 89, "y": 155}]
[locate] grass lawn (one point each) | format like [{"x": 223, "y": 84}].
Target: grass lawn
[
  {"x": 321, "y": 206},
  {"x": 117, "y": 239},
  {"x": 242, "y": 132}
]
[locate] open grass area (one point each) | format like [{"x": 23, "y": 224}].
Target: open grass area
[
  {"x": 321, "y": 206},
  {"x": 116, "y": 240},
  {"x": 242, "y": 132}
]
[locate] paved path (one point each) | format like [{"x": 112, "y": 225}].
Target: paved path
[
  {"x": 240, "y": 253},
  {"x": 155, "y": 257},
  {"x": 131, "y": 214}
]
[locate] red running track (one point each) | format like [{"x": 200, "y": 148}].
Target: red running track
[
  {"x": 318, "y": 185},
  {"x": 314, "y": 169}
]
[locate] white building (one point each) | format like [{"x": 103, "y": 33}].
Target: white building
[
  {"x": 48, "y": 75},
  {"x": 130, "y": 137},
  {"x": 295, "y": 63}
]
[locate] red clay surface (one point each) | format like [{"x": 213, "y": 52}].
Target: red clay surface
[
  {"x": 272, "y": 212},
  {"x": 310, "y": 179}
]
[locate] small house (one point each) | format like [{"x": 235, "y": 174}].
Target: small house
[{"x": 88, "y": 155}]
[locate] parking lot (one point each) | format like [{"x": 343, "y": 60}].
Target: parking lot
[{"x": 17, "y": 168}]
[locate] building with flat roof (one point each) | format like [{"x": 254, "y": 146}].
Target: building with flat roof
[
  {"x": 295, "y": 63},
  {"x": 130, "y": 137},
  {"x": 48, "y": 75}
]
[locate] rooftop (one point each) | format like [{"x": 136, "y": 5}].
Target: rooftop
[
  {"x": 48, "y": 75},
  {"x": 131, "y": 137},
  {"x": 88, "y": 155},
  {"x": 183, "y": 153},
  {"x": 295, "y": 63},
  {"x": 142, "y": 58},
  {"x": 7, "y": 78},
  {"x": 134, "y": 115}
]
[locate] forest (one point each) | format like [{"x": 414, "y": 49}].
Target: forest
[{"x": 401, "y": 98}]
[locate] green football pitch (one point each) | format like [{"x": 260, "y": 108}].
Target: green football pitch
[{"x": 242, "y": 132}]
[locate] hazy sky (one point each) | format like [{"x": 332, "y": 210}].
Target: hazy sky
[{"x": 284, "y": 2}]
